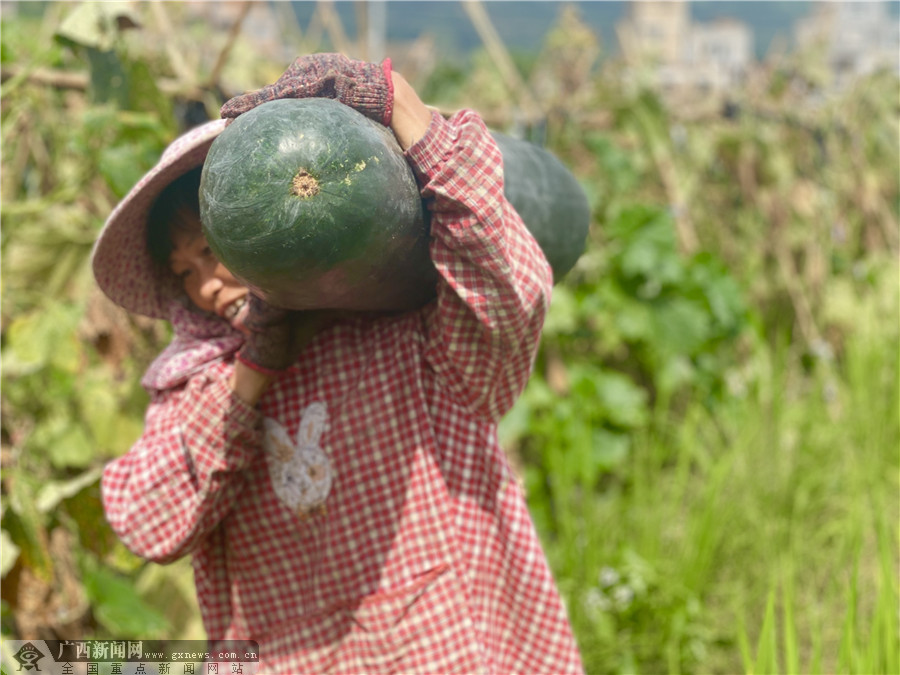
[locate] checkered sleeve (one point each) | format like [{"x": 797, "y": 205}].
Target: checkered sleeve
[
  {"x": 182, "y": 475},
  {"x": 495, "y": 286}
]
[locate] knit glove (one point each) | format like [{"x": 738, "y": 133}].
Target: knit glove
[
  {"x": 366, "y": 87},
  {"x": 268, "y": 345}
]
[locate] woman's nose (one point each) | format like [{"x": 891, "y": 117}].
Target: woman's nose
[{"x": 210, "y": 280}]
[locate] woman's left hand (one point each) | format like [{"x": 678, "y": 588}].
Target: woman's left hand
[{"x": 365, "y": 87}]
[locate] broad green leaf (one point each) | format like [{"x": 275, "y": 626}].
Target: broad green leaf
[
  {"x": 98, "y": 406},
  {"x": 109, "y": 79},
  {"x": 63, "y": 440},
  {"x": 563, "y": 462},
  {"x": 578, "y": 452},
  {"x": 143, "y": 93},
  {"x": 842, "y": 302},
  {"x": 52, "y": 493},
  {"x": 674, "y": 373},
  {"x": 583, "y": 378},
  {"x": 562, "y": 316},
  {"x": 636, "y": 219},
  {"x": 646, "y": 250},
  {"x": 624, "y": 403},
  {"x": 72, "y": 448},
  {"x": 610, "y": 448},
  {"x": 117, "y": 606},
  {"x": 85, "y": 514},
  {"x": 539, "y": 395},
  {"x": 124, "y": 432},
  {"x": 26, "y": 525},
  {"x": 720, "y": 290},
  {"x": 642, "y": 258},
  {"x": 9, "y": 553},
  {"x": 121, "y": 559},
  {"x": 514, "y": 425},
  {"x": 171, "y": 590},
  {"x": 44, "y": 337},
  {"x": 682, "y": 326},
  {"x": 617, "y": 164},
  {"x": 96, "y": 24},
  {"x": 120, "y": 167},
  {"x": 635, "y": 322}
]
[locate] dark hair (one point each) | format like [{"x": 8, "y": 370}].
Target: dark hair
[{"x": 166, "y": 217}]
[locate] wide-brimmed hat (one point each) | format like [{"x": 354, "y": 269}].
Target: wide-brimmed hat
[{"x": 121, "y": 261}]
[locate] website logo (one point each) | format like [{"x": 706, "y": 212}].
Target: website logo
[{"x": 28, "y": 657}]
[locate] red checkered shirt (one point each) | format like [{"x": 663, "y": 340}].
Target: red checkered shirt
[{"x": 363, "y": 518}]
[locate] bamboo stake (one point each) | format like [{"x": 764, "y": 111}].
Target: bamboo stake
[
  {"x": 774, "y": 207},
  {"x": 314, "y": 32},
  {"x": 216, "y": 73},
  {"x": 371, "y": 18},
  {"x": 15, "y": 162},
  {"x": 77, "y": 81},
  {"x": 176, "y": 58},
  {"x": 334, "y": 27},
  {"x": 291, "y": 31},
  {"x": 362, "y": 30},
  {"x": 677, "y": 190},
  {"x": 501, "y": 58},
  {"x": 60, "y": 79}
]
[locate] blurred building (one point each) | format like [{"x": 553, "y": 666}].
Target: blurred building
[
  {"x": 660, "y": 38},
  {"x": 857, "y": 38},
  {"x": 655, "y": 31}
]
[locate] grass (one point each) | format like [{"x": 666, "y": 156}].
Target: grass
[{"x": 764, "y": 540}]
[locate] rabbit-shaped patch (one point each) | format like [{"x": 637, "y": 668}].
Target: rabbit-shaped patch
[{"x": 301, "y": 472}]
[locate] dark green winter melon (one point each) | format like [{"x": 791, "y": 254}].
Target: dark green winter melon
[
  {"x": 311, "y": 205},
  {"x": 549, "y": 199}
]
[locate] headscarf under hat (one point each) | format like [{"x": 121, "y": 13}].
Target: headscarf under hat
[
  {"x": 128, "y": 275},
  {"x": 122, "y": 265}
]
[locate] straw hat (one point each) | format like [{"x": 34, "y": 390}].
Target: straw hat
[{"x": 122, "y": 264}]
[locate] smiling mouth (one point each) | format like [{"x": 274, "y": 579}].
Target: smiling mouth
[{"x": 232, "y": 310}]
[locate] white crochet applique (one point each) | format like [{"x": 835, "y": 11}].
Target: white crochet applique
[{"x": 300, "y": 471}]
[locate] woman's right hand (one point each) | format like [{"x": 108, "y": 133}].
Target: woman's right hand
[
  {"x": 274, "y": 337},
  {"x": 268, "y": 332}
]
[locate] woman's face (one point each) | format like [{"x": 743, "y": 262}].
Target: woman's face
[{"x": 207, "y": 283}]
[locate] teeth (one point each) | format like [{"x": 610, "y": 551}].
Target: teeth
[{"x": 235, "y": 307}]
